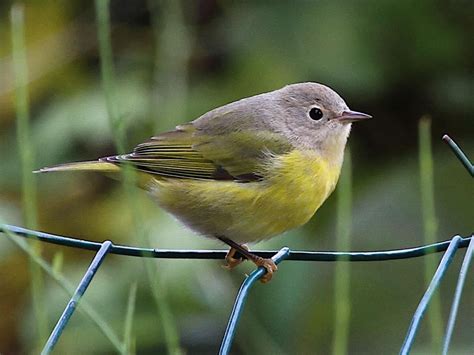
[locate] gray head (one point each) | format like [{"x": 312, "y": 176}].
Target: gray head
[
  {"x": 309, "y": 115},
  {"x": 316, "y": 115}
]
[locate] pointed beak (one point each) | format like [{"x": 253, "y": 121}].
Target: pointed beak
[{"x": 353, "y": 116}]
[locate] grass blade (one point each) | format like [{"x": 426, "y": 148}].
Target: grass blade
[
  {"x": 430, "y": 227},
  {"x": 128, "y": 325},
  {"x": 29, "y": 194},
  {"x": 172, "y": 53},
  {"x": 342, "y": 275},
  {"x": 117, "y": 124}
]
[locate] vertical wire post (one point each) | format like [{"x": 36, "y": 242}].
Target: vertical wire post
[
  {"x": 460, "y": 154},
  {"x": 242, "y": 295},
  {"x": 435, "y": 281},
  {"x": 467, "y": 258},
  {"x": 457, "y": 296},
  {"x": 76, "y": 297}
]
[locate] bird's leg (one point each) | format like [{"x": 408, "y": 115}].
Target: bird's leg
[
  {"x": 234, "y": 257},
  {"x": 268, "y": 264}
]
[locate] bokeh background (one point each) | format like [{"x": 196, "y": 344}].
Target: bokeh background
[{"x": 175, "y": 60}]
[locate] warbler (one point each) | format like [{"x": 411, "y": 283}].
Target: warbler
[{"x": 246, "y": 171}]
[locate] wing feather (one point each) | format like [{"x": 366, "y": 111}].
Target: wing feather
[{"x": 189, "y": 154}]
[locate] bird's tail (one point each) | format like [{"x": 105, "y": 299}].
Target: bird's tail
[{"x": 99, "y": 166}]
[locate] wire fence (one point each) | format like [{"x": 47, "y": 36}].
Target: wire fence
[{"x": 450, "y": 247}]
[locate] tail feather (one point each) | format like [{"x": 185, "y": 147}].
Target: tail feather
[{"x": 99, "y": 166}]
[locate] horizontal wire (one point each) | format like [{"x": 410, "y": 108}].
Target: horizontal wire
[{"x": 220, "y": 254}]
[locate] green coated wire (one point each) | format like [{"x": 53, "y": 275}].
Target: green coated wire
[
  {"x": 242, "y": 295},
  {"x": 459, "y": 242},
  {"x": 381, "y": 255},
  {"x": 75, "y": 299},
  {"x": 457, "y": 296},
  {"x": 460, "y": 154},
  {"x": 428, "y": 296},
  {"x": 84, "y": 306}
]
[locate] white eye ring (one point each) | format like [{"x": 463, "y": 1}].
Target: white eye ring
[{"x": 315, "y": 113}]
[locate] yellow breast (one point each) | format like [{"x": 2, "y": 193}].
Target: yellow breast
[
  {"x": 296, "y": 186},
  {"x": 299, "y": 187}
]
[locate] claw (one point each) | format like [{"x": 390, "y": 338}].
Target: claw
[
  {"x": 243, "y": 250},
  {"x": 231, "y": 260},
  {"x": 269, "y": 265}
]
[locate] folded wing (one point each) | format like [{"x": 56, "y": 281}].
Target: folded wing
[{"x": 188, "y": 153}]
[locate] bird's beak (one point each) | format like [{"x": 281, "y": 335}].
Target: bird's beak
[{"x": 352, "y": 116}]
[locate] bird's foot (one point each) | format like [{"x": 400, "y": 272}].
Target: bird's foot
[
  {"x": 234, "y": 257},
  {"x": 244, "y": 252},
  {"x": 269, "y": 265}
]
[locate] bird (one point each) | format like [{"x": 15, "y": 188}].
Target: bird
[{"x": 246, "y": 171}]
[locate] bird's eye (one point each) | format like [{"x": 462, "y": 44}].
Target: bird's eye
[{"x": 315, "y": 113}]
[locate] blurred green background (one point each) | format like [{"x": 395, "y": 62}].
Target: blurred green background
[{"x": 175, "y": 60}]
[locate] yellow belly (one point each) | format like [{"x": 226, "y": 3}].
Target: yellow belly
[{"x": 296, "y": 186}]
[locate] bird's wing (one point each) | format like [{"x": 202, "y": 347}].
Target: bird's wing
[{"x": 188, "y": 153}]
